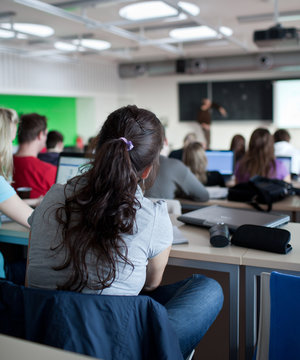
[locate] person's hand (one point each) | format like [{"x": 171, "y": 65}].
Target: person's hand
[
  {"x": 222, "y": 111},
  {"x": 34, "y": 202},
  {"x": 205, "y": 126}
]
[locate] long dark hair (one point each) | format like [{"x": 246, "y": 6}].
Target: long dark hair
[
  {"x": 103, "y": 202},
  {"x": 260, "y": 158}
]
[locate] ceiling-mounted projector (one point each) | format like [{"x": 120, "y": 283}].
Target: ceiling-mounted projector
[{"x": 277, "y": 36}]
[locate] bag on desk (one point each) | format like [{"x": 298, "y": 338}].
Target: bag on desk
[{"x": 261, "y": 190}]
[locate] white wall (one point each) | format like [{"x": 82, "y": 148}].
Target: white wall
[
  {"x": 100, "y": 90},
  {"x": 97, "y": 86}
]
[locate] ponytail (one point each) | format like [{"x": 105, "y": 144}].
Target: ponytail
[{"x": 104, "y": 201}]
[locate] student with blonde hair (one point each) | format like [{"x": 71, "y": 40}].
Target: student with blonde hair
[
  {"x": 195, "y": 158},
  {"x": 10, "y": 203}
]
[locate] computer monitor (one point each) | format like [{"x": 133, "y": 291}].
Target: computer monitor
[
  {"x": 70, "y": 165},
  {"x": 220, "y": 160},
  {"x": 287, "y": 161}
]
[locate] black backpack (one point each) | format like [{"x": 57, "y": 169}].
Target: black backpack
[{"x": 261, "y": 190}]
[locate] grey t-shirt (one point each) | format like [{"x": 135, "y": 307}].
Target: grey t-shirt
[
  {"x": 175, "y": 179},
  {"x": 153, "y": 234}
]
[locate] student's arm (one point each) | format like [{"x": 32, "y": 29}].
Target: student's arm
[
  {"x": 34, "y": 202},
  {"x": 15, "y": 208},
  {"x": 191, "y": 186},
  {"x": 155, "y": 270}
]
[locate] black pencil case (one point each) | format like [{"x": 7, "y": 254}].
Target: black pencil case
[{"x": 262, "y": 238}]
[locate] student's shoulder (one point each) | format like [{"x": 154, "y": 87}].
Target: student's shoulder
[
  {"x": 45, "y": 165},
  {"x": 171, "y": 162}
]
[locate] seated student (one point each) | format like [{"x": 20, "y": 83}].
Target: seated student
[
  {"x": 195, "y": 158},
  {"x": 99, "y": 234},
  {"x": 175, "y": 179},
  {"x": 260, "y": 159},
  {"x": 189, "y": 138},
  {"x": 10, "y": 203},
  {"x": 282, "y": 147},
  {"x": 55, "y": 145},
  {"x": 29, "y": 171},
  {"x": 238, "y": 146}
]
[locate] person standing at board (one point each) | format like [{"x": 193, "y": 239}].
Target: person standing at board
[{"x": 204, "y": 117}]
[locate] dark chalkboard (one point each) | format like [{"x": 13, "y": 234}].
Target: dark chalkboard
[
  {"x": 243, "y": 100},
  {"x": 190, "y": 96}
]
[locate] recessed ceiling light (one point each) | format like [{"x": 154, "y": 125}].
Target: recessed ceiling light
[
  {"x": 60, "y": 45},
  {"x": 192, "y": 9},
  {"x": 147, "y": 10},
  {"x": 31, "y": 29},
  {"x": 226, "y": 30},
  {"x": 6, "y": 34},
  {"x": 93, "y": 44},
  {"x": 194, "y": 32}
]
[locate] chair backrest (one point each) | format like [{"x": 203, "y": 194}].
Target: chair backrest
[
  {"x": 262, "y": 349},
  {"x": 279, "y": 329},
  {"x": 109, "y": 327}
]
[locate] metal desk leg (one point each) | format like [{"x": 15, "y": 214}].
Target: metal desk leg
[{"x": 234, "y": 281}]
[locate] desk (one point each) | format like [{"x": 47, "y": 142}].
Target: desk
[
  {"x": 199, "y": 254},
  {"x": 289, "y": 204},
  {"x": 14, "y": 233},
  {"x": 255, "y": 262},
  {"x": 196, "y": 254}
]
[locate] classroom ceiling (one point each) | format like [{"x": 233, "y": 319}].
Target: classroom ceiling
[{"x": 146, "y": 40}]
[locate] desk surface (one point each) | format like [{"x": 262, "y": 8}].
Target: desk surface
[
  {"x": 290, "y": 203},
  {"x": 14, "y": 229},
  {"x": 265, "y": 259},
  {"x": 199, "y": 247}
]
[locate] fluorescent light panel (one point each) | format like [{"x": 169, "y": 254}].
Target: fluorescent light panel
[
  {"x": 63, "y": 46},
  {"x": 194, "y": 32},
  {"x": 6, "y": 34},
  {"x": 198, "y": 33},
  {"x": 92, "y": 44},
  {"x": 156, "y": 9},
  {"x": 30, "y": 29},
  {"x": 147, "y": 10},
  {"x": 192, "y": 9}
]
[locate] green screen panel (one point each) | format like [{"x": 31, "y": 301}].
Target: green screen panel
[{"x": 60, "y": 112}]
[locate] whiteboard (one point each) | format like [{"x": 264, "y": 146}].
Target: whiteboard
[{"x": 286, "y": 104}]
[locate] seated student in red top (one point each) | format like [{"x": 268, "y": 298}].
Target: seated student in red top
[{"x": 29, "y": 171}]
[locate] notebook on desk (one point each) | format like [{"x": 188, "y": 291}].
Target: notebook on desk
[
  {"x": 233, "y": 218},
  {"x": 70, "y": 165}
]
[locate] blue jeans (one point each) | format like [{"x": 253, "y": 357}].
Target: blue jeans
[{"x": 192, "y": 305}]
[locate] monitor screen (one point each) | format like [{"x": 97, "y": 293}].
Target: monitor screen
[
  {"x": 220, "y": 160},
  {"x": 70, "y": 165},
  {"x": 287, "y": 161}
]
